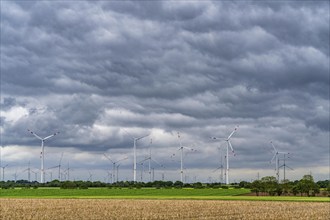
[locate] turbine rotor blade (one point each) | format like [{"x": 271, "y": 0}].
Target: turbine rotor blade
[
  {"x": 51, "y": 136},
  {"x": 271, "y": 142},
  {"x": 289, "y": 167},
  {"x": 283, "y": 153},
  {"x": 143, "y": 160},
  {"x": 232, "y": 133},
  {"x": 273, "y": 158},
  {"x": 231, "y": 147},
  {"x": 129, "y": 134},
  {"x": 217, "y": 138},
  {"x": 52, "y": 167},
  {"x": 34, "y": 134},
  {"x": 139, "y": 138},
  {"x": 60, "y": 159},
  {"x": 108, "y": 157},
  {"x": 157, "y": 162},
  {"x": 217, "y": 169},
  {"x": 121, "y": 159}
]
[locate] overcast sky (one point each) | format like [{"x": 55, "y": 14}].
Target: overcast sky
[{"x": 102, "y": 72}]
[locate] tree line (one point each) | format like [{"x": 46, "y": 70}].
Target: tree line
[
  {"x": 265, "y": 186},
  {"x": 305, "y": 187}
]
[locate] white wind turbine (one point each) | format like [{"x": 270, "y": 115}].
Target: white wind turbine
[
  {"x": 3, "y": 172},
  {"x": 59, "y": 168},
  {"x": 276, "y": 158},
  {"x": 227, "y": 154},
  {"x": 29, "y": 172},
  {"x": 135, "y": 139},
  {"x": 114, "y": 165},
  {"x": 284, "y": 166},
  {"x": 221, "y": 166},
  {"x": 149, "y": 158},
  {"x": 42, "y": 171},
  {"x": 90, "y": 178},
  {"x": 181, "y": 149},
  {"x": 35, "y": 175},
  {"x": 117, "y": 173}
]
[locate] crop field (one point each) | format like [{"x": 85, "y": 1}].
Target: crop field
[
  {"x": 121, "y": 193},
  {"x": 149, "y": 193},
  {"x": 12, "y": 208}
]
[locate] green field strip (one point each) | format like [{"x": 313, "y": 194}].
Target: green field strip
[{"x": 162, "y": 194}]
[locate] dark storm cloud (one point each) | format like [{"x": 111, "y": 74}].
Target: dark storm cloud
[{"x": 90, "y": 69}]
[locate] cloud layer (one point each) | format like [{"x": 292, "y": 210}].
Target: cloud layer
[{"x": 96, "y": 71}]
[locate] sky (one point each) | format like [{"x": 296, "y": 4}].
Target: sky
[{"x": 104, "y": 72}]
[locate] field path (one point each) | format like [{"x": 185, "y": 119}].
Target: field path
[{"x": 158, "y": 209}]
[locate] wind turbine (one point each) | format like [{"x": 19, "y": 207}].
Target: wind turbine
[
  {"x": 29, "y": 172},
  {"x": 109, "y": 175},
  {"x": 67, "y": 171},
  {"x": 59, "y": 167},
  {"x": 135, "y": 139},
  {"x": 90, "y": 178},
  {"x": 221, "y": 166},
  {"x": 114, "y": 165},
  {"x": 3, "y": 172},
  {"x": 181, "y": 149},
  {"x": 141, "y": 163},
  {"x": 276, "y": 158},
  {"x": 42, "y": 171},
  {"x": 117, "y": 172},
  {"x": 227, "y": 154},
  {"x": 284, "y": 166},
  {"x": 149, "y": 158},
  {"x": 15, "y": 175},
  {"x": 35, "y": 175},
  {"x": 49, "y": 168}
]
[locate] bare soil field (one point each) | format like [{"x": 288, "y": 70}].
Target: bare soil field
[{"x": 159, "y": 209}]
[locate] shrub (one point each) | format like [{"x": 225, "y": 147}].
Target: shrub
[
  {"x": 83, "y": 186},
  {"x": 68, "y": 185}
]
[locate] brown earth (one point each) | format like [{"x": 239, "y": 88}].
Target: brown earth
[{"x": 158, "y": 209}]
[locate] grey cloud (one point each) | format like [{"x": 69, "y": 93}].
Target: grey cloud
[{"x": 199, "y": 68}]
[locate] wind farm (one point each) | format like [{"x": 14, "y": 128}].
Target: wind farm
[{"x": 164, "y": 109}]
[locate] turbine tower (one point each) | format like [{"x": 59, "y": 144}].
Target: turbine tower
[
  {"x": 276, "y": 158},
  {"x": 284, "y": 166},
  {"x": 181, "y": 149},
  {"x": 59, "y": 167},
  {"x": 114, "y": 165},
  {"x": 227, "y": 154},
  {"x": 135, "y": 139},
  {"x": 35, "y": 175},
  {"x": 3, "y": 172},
  {"x": 221, "y": 166},
  {"x": 117, "y": 172},
  {"x": 42, "y": 171},
  {"x": 149, "y": 158},
  {"x": 29, "y": 172}
]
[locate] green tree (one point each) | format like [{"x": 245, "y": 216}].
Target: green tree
[
  {"x": 198, "y": 185},
  {"x": 270, "y": 185},
  {"x": 68, "y": 185},
  {"x": 286, "y": 186},
  {"x": 294, "y": 190},
  {"x": 244, "y": 184},
  {"x": 178, "y": 184},
  {"x": 307, "y": 184},
  {"x": 256, "y": 186}
]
